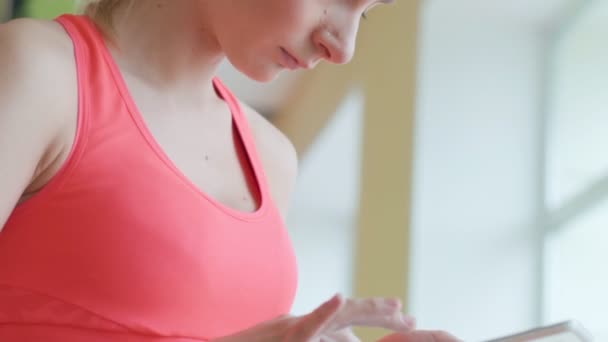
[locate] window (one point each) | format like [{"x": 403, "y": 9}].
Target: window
[{"x": 576, "y": 197}]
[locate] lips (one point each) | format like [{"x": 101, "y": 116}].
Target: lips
[{"x": 289, "y": 61}]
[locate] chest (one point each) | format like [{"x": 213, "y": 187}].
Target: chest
[{"x": 204, "y": 144}]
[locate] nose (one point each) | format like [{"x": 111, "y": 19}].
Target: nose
[{"x": 334, "y": 47}]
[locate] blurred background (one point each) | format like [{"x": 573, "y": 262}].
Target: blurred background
[{"x": 457, "y": 163}]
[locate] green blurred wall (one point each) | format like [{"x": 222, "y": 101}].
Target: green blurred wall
[
  {"x": 3, "y": 9},
  {"x": 47, "y": 9}
]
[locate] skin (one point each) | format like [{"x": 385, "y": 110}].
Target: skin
[{"x": 170, "y": 81}]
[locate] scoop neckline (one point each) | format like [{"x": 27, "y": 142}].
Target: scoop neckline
[{"x": 143, "y": 128}]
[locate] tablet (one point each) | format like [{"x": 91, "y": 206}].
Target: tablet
[{"x": 570, "y": 331}]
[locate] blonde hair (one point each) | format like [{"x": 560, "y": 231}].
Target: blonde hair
[{"x": 103, "y": 11}]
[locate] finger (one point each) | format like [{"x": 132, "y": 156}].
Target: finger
[
  {"x": 313, "y": 324},
  {"x": 397, "y": 322},
  {"x": 421, "y": 336},
  {"x": 443, "y": 336},
  {"x": 374, "y": 312},
  {"x": 345, "y": 335}
]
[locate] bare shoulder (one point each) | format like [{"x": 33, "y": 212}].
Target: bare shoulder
[
  {"x": 38, "y": 60},
  {"x": 29, "y": 35},
  {"x": 278, "y": 156},
  {"x": 38, "y": 80},
  {"x": 38, "y": 93}
]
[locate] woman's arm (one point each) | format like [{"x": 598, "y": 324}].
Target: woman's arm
[{"x": 38, "y": 95}]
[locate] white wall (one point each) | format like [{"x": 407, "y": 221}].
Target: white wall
[
  {"x": 476, "y": 169},
  {"x": 322, "y": 218}
]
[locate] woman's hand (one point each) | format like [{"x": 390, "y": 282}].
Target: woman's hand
[
  {"x": 347, "y": 335},
  {"x": 420, "y": 336},
  {"x": 330, "y": 322}
]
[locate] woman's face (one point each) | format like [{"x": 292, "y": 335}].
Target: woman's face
[{"x": 263, "y": 37}]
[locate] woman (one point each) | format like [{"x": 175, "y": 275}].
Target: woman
[{"x": 140, "y": 200}]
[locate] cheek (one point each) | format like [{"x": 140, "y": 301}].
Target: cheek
[
  {"x": 294, "y": 16},
  {"x": 256, "y": 32}
]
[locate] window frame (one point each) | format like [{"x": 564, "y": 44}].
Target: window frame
[{"x": 553, "y": 221}]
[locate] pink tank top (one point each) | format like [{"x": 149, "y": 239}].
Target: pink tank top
[{"x": 120, "y": 246}]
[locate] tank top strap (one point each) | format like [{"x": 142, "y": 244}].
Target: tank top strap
[
  {"x": 246, "y": 134},
  {"x": 88, "y": 44}
]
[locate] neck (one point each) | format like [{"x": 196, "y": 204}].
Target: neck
[{"x": 168, "y": 46}]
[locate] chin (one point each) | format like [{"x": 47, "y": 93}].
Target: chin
[
  {"x": 262, "y": 76},
  {"x": 258, "y": 71}
]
